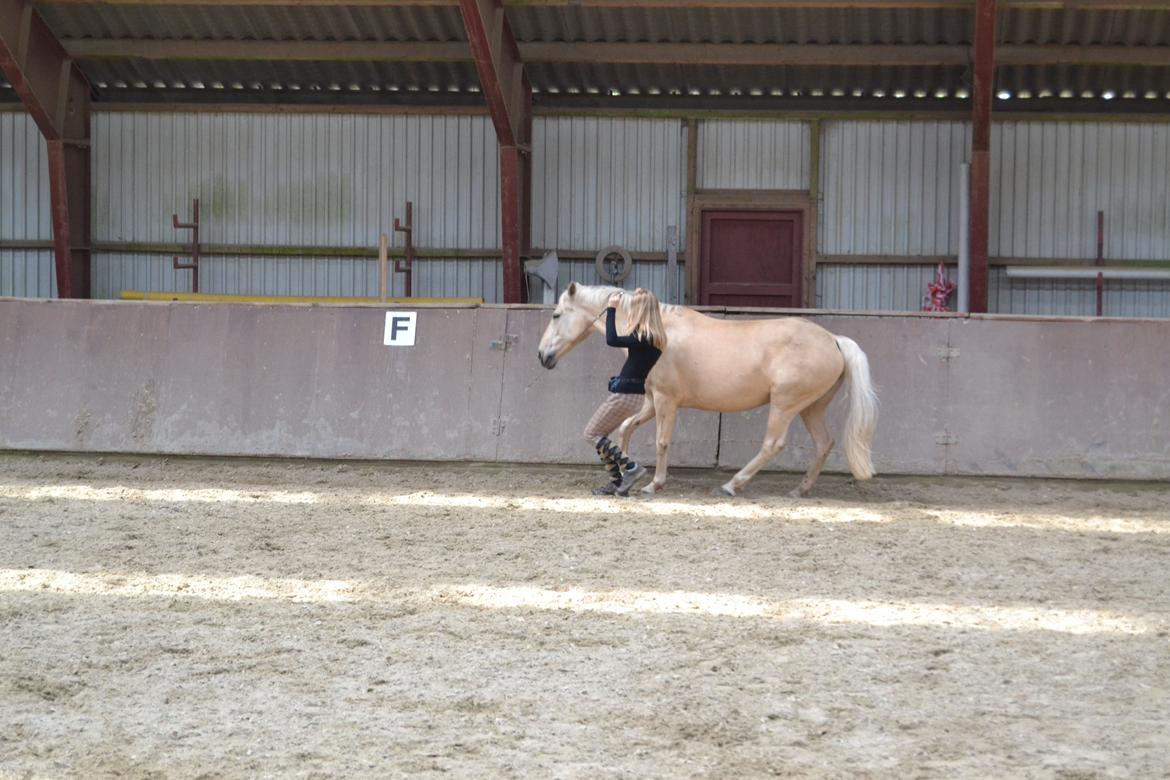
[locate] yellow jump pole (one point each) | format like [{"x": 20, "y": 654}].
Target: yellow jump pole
[{"x": 140, "y": 295}]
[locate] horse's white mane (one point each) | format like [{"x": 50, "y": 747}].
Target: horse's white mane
[{"x": 596, "y": 296}]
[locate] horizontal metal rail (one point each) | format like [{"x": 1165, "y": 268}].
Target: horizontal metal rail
[{"x": 1090, "y": 273}]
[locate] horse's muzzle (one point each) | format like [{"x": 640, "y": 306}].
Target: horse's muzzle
[{"x": 548, "y": 360}]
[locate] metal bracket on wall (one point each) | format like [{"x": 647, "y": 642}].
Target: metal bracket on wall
[
  {"x": 406, "y": 265},
  {"x": 497, "y": 426},
  {"x": 193, "y": 265},
  {"x": 507, "y": 342}
]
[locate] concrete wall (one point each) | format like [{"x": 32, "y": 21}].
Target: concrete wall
[{"x": 987, "y": 395}]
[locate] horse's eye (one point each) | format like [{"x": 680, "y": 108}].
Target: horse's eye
[{"x": 556, "y": 315}]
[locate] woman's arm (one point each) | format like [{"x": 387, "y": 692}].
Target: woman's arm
[{"x": 611, "y": 335}]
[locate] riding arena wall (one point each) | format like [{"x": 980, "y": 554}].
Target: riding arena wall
[{"x": 960, "y": 395}]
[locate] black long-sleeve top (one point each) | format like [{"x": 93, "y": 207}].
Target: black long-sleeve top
[{"x": 642, "y": 357}]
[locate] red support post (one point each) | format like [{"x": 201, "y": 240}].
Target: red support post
[
  {"x": 509, "y": 99},
  {"x": 981, "y": 97},
  {"x": 511, "y": 220},
  {"x": 56, "y": 95}
]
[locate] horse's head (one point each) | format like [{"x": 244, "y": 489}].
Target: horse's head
[{"x": 571, "y": 322}]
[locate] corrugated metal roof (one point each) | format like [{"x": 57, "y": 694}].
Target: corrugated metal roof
[
  {"x": 1091, "y": 81},
  {"x": 1085, "y": 28},
  {"x": 835, "y": 25},
  {"x": 296, "y": 22},
  {"x": 708, "y": 80},
  {"x": 260, "y": 23},
  {"x": 173, "y": 80},
  {"x": 232, "y": 81},
  {"x": 739, "y": 25},
  {"x": 109, "y": 77}
]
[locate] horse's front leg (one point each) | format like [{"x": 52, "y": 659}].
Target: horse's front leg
[
  {"x": 664, "y": 419},
  {"x": 631, "y": 423}
]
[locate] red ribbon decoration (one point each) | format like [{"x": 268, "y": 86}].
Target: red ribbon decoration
[{"x": 939, "y": 289}]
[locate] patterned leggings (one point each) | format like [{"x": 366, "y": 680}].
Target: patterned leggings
[{"x": 612, "y": 412}]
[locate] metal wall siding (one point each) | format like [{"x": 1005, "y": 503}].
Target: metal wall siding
[
  {"x": 753, "y": 155},
  {"x": 1050, "y": 179},
  {"x": 25, "y": 213},
  {"x": 874, "y": 287},
  {"x": 24, "y": 180},
  {"x": 890, "y": 188},
  {"x": 651, "y": 276},
  {"x": 300, "y": 179},
  {"x": 601, "y": 181},
  {"x": 1076, "y": 297},
  {"x": 307, "y": 276},
  {"x": 1042, "y": 297},
  {"x": 1136, "y": 299},
  {"x": 887, "y": 287},
  {"x": 462, "y": 278},
  {"x": 27, "y": 274}
]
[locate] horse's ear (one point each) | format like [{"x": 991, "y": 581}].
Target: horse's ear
[{"x": 572, "y": 289}]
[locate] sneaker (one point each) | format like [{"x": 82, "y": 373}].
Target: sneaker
[
  {"x": 608, "y": 489},
  {"x": 631, "y": 478}
]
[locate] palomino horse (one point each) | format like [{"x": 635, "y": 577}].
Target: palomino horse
[{"x": 717, "y": 365}]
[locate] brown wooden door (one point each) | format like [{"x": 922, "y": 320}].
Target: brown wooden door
[{"x": 751, "y": 258}]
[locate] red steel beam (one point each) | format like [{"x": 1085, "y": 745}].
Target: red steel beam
[
  {"x": 56, "y": 95},
  {"x": 508, "y": 94},
  {"x": 981, "y": 95}
]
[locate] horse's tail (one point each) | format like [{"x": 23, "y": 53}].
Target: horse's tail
[{"x": 863, "y": 407}]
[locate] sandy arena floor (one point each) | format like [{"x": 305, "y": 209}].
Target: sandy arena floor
[{"x": 199, "y": 618}]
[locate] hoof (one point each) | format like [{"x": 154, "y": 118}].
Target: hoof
[
  {"x": 724, "y": 492},
  {"x": 797, "y": 493},
  {"x": 650, "y": 489}
]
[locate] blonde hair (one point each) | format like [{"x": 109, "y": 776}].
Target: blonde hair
[{"x": 645, "y": 317}]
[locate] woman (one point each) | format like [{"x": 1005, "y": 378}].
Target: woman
[{"x": 645, "y": 341}]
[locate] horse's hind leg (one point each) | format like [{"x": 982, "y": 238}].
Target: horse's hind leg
[
  {"x": 779, "y": 418},
  {"x": 818, "y": 429}
]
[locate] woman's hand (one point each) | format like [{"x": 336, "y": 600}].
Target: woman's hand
[{"x": 614, "y": 300}]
